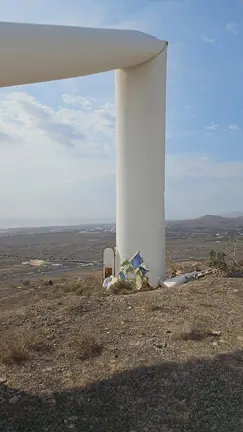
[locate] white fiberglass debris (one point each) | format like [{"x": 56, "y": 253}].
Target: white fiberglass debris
[{"x": 179, "y": 280}]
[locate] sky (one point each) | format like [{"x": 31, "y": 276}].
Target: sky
[{"x": 57, "y": 139}]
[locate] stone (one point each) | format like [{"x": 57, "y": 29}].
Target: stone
[
  {"x": 14, "y": 399},
  {"x": 215, "y": 333}
]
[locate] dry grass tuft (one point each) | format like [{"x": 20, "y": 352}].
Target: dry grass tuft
[
  {"x": 83, "y": 286},
  {"x": 197, "y": 330},
  {"x": 19, "y": 345},
  {"x": 84, "y": 347},
  {"x": 122, "y": 287},
  {"x": 87, "y": 286}
]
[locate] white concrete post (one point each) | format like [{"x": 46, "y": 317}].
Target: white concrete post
[{"x": 140, "y": 111}]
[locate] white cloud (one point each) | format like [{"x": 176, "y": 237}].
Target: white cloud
[
  {"x": 234, "y": 127},
  {"x": 45, "y": 151},
  {"x": 212, "y": 127},
  {"x": 78, "y": 101},
  {"x": 215, "y": 127},
  {"x": 59, "y": 163},
  {"x": 208, "y": 39},
  {"x": 232, "y": 28},
  {"x": 70, "y": 127}
]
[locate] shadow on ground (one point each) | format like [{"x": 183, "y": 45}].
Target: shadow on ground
[{"x": 200, "y": 395}]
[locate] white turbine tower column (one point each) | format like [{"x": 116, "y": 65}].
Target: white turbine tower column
[
  {"x": 33, "y": 53},
  {"x": 140, "y": 173}
]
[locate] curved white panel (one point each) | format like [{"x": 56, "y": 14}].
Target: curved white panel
[{"x": 45, "y": 52}]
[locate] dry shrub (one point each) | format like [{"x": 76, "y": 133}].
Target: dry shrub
[
  {"x": 84, "y": 346},
  {"x": 174, "y": 268},
  {"x": 87, "y": 286},
  {"x": 19, "y": 345},
  {"x": 50, "y": 294},
  {"x": 122, "y": 287},
  {"x": 47, "y": 283}
]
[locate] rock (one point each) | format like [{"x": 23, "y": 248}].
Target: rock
[
  {"x": 187, "y": 328},
  {"x": 215, "y": 333},
  {"x": 192, "y": 331},
  {"x": 14, "y": 399},
  {"x": 160, "y": 345}
]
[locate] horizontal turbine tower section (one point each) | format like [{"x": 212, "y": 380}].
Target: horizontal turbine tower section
[{"x": 33, "y": 53}]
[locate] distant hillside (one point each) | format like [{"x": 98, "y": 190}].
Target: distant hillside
[
  {"x": 233, "y": 214},
  {"x": 213, "y": 219},
  {"x": 208, "y": 221}
]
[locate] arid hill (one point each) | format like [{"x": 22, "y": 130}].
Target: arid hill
[{"x": 207, "y": 221}]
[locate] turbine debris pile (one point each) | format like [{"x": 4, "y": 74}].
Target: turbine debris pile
[{"x": 132, "y": 272}]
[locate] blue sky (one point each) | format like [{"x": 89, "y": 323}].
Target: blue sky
[{"x": 57, "y": 139}]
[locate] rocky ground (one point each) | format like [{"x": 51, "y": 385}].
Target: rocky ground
[{"x": 72, "y": 358}]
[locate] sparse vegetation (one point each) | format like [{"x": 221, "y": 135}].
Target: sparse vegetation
[
  {"x": 98, "y": 355},
  {"x": 174, "y": 268},
  {"x": 84, "y": 346},
  {"x": 226, "y": 260},
  {"x": 122, "y": 287},
  {"x": 217, "y": 260},
  {"x": 77, "y": 358},
  {"x": 19, "y": 344}
]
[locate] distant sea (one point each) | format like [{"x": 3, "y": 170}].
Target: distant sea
[{"x": 28, "y": 223}]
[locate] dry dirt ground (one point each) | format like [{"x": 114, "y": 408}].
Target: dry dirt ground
[{"x": 74, "y": 359}]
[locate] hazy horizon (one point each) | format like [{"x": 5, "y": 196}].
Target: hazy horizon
[
  {"x": 47, "y": 222},
  {"x": 13, "y": 223}
]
